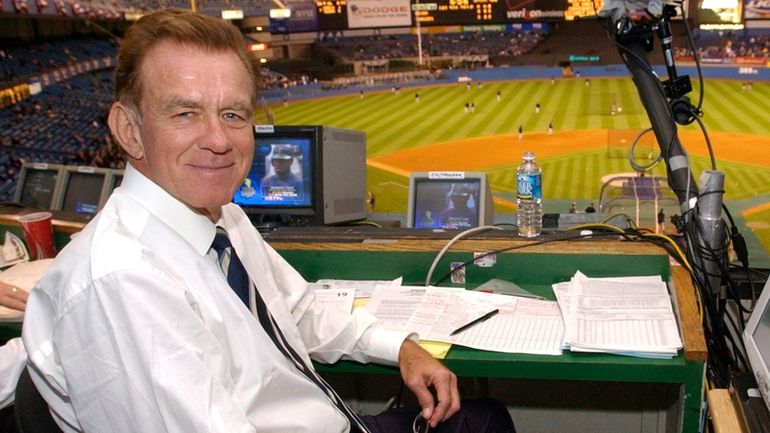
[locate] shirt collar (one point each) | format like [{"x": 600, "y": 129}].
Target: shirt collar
[{"x": 195, "y": 228}]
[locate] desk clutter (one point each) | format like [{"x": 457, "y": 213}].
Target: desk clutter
[
  {"x": 24, "y": 276},
  {"x": 628, "y": 316}
]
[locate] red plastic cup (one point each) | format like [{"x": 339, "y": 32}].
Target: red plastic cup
[{"x": 38, "y": 233}]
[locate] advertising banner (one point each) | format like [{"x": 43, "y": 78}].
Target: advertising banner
[
  {"x": 756, "y": 10},
  {"x": 378, "y": 13},
  {"x": 304, "y": 18}
]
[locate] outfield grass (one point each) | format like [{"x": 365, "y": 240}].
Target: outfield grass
[{"x": 397, "y": 122}]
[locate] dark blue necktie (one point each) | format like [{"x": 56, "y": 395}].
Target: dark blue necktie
[
  {"x": 236, "y": 274},
  {"x": 239, "y": 281}
]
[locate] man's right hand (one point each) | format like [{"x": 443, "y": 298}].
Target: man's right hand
[{"x": 421, "y": 372}]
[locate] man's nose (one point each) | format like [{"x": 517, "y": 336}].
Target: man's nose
[{"x": 215, "y": 137}]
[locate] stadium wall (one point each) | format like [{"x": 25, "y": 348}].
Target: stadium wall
[{"x": 746, "y": 73}]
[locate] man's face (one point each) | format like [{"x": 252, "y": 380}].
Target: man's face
[
  {"x": 459, "y": 201},
  {"x": 195, "y": 132},
  {"x": 281, "y": 166}
]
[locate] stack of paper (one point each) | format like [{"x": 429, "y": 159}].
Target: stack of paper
[
  {"x": 521, "y": 325},
  {"x": 629, "y": 316}
]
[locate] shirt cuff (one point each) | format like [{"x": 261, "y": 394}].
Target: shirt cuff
[{"x": 385, "y": 344}]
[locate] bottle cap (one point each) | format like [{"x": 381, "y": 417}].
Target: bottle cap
[{"x": 529, "y": 156}]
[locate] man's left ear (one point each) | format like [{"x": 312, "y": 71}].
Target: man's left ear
[{"x": 125, "y": 129}]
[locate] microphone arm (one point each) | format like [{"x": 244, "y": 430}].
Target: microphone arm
[
  {"x": 666, "y": 105},
  {"x": 635, "y": 42}
]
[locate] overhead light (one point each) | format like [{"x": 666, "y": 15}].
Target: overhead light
[
  {"x": 232, "y": 14},
  {"x": 280, "y": 14},
  {"x": 260, "y": 46}
]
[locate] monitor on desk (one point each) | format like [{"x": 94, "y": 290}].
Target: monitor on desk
[
  {"x": 449, "y": 200},
  {"x": 81, "y": 190},
  {"x": 305, "y": 175},
  {"x": 756, "y": 338},
  {"x": 114, "y": 179},
  {"x": 36, "y": 186}
]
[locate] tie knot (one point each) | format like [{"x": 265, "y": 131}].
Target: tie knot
[{"x": 221, "y": 242}]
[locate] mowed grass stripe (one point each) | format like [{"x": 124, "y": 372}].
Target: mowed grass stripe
[
  {"x": 571, "y": 105},
  {"x": 735, "y": 111},
  {"x": 563, "y": 116},
  {"x": 495, "y": 113},
  {"x": 387, "y": 127},
  {"x": 515, "y": 98},
  {"x": 438, "y": 116},
  {"x": 425, "y": 119}
]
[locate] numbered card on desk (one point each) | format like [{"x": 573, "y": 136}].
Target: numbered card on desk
[
  {"x": 336, "y": 298},
  {"x": 364, "y": 288}
]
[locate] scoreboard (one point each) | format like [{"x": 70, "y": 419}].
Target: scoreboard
[
  {"x": 332, "y": 13},
  {"x": 463, "y": 12}
]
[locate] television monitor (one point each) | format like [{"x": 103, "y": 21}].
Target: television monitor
[
  {"x": 756, "y": 338},
  {"x": 305, "y": 175},
  {"x": 37, "y": 184},
  {"x": 449, "y": 200},
  {"x": 81, "y": 190},
  {"x": 114, "y": 179}
]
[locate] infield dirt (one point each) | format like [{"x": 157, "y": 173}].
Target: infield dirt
[{"x": 486, "y": 152}]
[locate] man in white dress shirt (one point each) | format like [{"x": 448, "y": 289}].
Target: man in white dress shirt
[
  {"x": 12, "y": 358},
  {"x": 135, "y": 328}
]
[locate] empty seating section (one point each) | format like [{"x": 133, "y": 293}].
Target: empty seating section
[
  {"x": 66, "y": 122},
  {"x": 434, "y": 45},
  {"x": 207, "y": 7},
  {"x": 23, "y": 62}
]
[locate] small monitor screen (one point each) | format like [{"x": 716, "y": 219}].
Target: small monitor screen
[
  {"x": 446, "y": 204},
  {"x": 117, "y": 180},
  {"x": 280, "y": 174},
  {"x": 38, "y": 188},
  {"x": 756, "y": 339},
  {"x": 83, "y": 192},
  {"x": 762, "y": 334}
]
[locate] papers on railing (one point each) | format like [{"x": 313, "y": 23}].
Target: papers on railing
[
  {"x": 629, "y": 316},
  {"x": 522, "y": 325}
]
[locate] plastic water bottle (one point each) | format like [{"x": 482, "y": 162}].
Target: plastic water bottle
[{"x": 529, "y": 197}]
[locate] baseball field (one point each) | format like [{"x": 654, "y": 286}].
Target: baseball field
[{"x": 430, "y": 128}]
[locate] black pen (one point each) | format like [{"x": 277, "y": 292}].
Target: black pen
[{"x": 489, "y": 315}]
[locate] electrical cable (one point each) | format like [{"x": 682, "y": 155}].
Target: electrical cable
[
  {"x": 446, "y": 247},
  {"x": 637, "y": 167},
  {"x": 366, "y": 223},
  {"x": 708, "y": 142}
]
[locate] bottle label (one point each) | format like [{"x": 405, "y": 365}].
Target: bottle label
[{"x": 529, "y": 187}]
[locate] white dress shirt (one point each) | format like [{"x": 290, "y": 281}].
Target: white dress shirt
[
  {"x": 135, "y": 329},
  {"x": 12, "y": 361}
]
